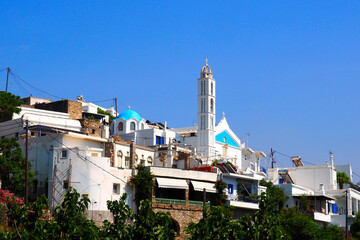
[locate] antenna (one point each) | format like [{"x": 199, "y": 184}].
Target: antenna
[{"x": 247, "y": 139}]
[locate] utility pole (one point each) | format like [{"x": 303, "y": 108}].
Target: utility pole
[
  {"x": 27, "y": 164},
  {"x": 7, "y": 79},
  {"x": 346, "y": 214},
  {"x": 272, "y": 158},
  {"x": 116, "y": 107}
]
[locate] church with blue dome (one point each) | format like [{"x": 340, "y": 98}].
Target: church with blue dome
[{"x": 209, "y": 140}]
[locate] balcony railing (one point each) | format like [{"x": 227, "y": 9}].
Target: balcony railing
[
  {"x": 247, "y": 199},
  {"x": 179, "y": 202}
]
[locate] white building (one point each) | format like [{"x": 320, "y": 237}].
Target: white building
[{"x": 319, "y": 184}]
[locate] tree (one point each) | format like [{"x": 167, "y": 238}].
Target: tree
[
  {"x": 144, "y": 183},
  {"x": 12, "y": 166},
  {"x": 298, "y": 225},
  {"x": 111, "y": 117},
  {"x": 9, "y": 104},
  {"x": 331, "y": 232},
  {"x": 275, "y": 197},
  {"x": 342, "y": 178},
  {"x": 355, "y": 227},
  {"x": 221, "y": 196},
  {"x": 216, "y": 224},
  {"x": 145, "y": 224}
]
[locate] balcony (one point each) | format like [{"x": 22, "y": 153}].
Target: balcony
[
  {"x": 179, "y": 202},
  {"x": 245, "y": 202}
]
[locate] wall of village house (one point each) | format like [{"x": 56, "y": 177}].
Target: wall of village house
[
  {"x": 122, "y": 153},
  {"x": 86, "y": 178},
  {"x": 313, "y": 177},
  {"x": 233, "y": 153}
]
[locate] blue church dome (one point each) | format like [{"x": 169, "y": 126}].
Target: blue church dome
[{"x": 126, "y": 115}]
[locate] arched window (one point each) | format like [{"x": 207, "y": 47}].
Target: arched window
[
  {"x": 119, "y": 157},
  {"x": 142, "y": 126},
  {"x": 132, "y": 126},
  {"x": 212, "y": 105},
  {"x": 212, "y": 89},
  {"x": 120, "y": 126}
]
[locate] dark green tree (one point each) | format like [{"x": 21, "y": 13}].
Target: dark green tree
[
  {"x": 331, "y": 232},
  {"x": 145, "y": 224},
  {"x": 355, "y": 227},
  {"x": 69, "y": 218},
  {"x": 144, "y": 183},
  {"x": 9, "y": 104},
  {"x": 275, "y": 198},
  {"x": 12, "y": 166},
  {"x": 217, "y": 224},
  {"x": 342, "y": 178},
  {"x": 298, "y": 225}
]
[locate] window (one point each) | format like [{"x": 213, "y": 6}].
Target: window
[
  {"x": 212, "y": 105},
  {"x": 230, "y": 189},
  {"x": 212, "y": 89},
  {"x": 95, "y": 154},
  {"x": 159, "y": 140},
  {"x": 142, "y": 126},
  {"x": 120, "y": 126},
  {"x": 116, "y": 188},
  {"x": 132, "y": 126},
  {"x": 65, "y": 184},
  {"x": 127, "y": 162},
  {"x": 119, "y": 157},
  {"x": 64, "y": 153}
]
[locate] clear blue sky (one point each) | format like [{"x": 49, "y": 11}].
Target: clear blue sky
[{"x": 287, "y": 72}]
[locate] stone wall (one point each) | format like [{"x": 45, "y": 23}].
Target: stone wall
[
  {"x": 91, "y": 127},
  {"x": 110, "y": 152},
  {"x": 73, "y": 108},
  {"x": 181, "y": 214}
]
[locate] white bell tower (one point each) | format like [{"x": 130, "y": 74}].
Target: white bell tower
[{"x": 206, "y": 113}]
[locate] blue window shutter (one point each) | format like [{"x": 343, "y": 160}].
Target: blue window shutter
[
  {"x": 157, "y": 140},
  {"x": 230, "y": 188},
  {"x": 161, "y": 140},
  {"x": 334, "y": 208}
]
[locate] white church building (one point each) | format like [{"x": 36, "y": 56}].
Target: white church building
[{"x": 211, "y": 141}]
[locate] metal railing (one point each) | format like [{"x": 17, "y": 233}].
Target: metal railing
[{"x": 179, "y": 202}]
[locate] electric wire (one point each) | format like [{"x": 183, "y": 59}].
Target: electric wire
[
  {"x": 19, "y": 78},
  {"x": 20, "y": 86}
]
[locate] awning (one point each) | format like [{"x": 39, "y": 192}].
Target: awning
[
  {"x": 199, "y": 186},
  {"x": 172, "y": 183}
]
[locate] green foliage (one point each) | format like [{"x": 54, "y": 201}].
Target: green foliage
[
  {"x": 355, "y": 227},
  {"x": 111, "y": 117},
  {"x": 304, "y": 202},
  {"x": 342, "y": 178},
  {"x": 298, "y": 225},
  {"x": 9, "y": 104},
  {"x": 216, "y": 224},
  {"x": 144, "y": 183},
  {"x": 221, "y": 196},
  {"x": 331, "y": 232},
  {"x": 70, "y": 220},
  {"x": 12, "y": 166},
  {"x": 91, "y": 118},
  {"x": 145, "y": 224},
  {"x": 275, "y": 197}
]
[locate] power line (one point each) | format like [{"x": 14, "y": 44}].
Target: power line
[{"x": 19, "y": 78}]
